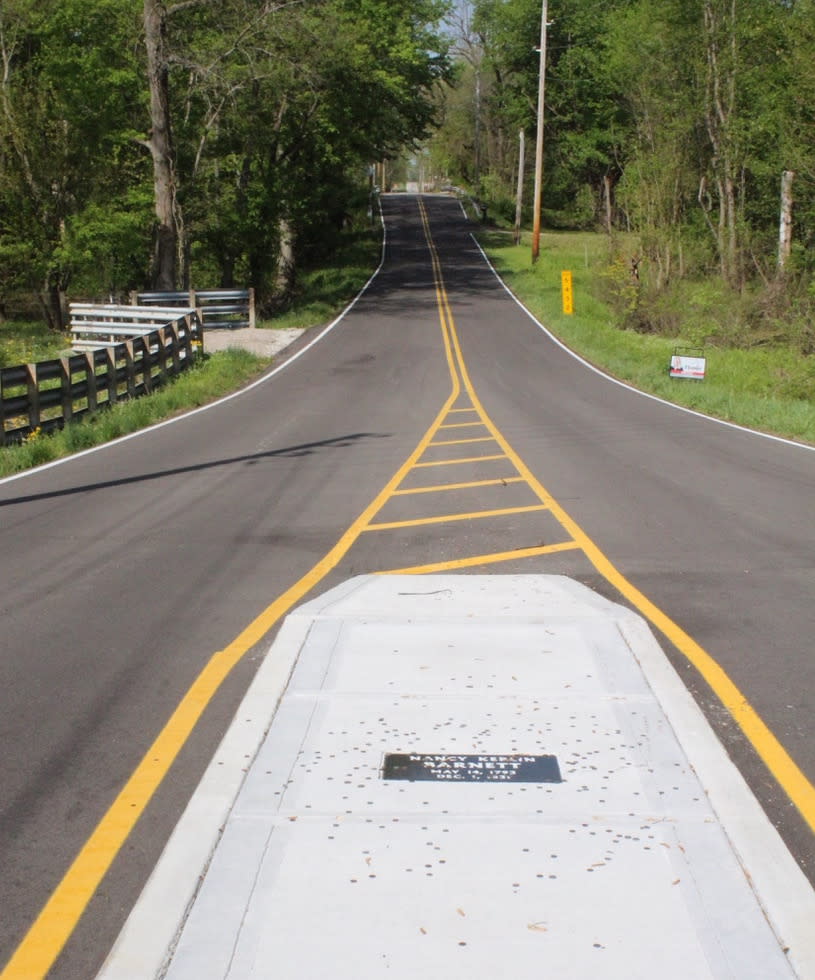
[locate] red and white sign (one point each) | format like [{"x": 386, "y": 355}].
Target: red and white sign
[{"x": 683, "y": 366}]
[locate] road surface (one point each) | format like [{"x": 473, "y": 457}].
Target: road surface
[{"x": 436, "y": 427}]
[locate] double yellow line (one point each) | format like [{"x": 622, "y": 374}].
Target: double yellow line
[
  {"x": 790, "y": 777},
  {"x": 59, "y": 917},
  {"x": 54, "y": 925}
]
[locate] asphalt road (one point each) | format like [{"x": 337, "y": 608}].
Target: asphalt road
[{"x": 126, "y": 569}]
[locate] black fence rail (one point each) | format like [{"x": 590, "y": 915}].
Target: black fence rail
[
  {"x": 218, "y": 308},
  {"x": 114, "y": 361}
]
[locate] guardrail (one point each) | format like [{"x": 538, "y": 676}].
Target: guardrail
[
  {"x": 218, "y": 308},
  {"x": 116, "y": 359}
]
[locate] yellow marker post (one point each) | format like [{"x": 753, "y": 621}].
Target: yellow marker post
[{"x": 566, "y": 291}]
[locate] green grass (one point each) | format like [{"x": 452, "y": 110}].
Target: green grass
[
  {"x": 771, "y": 389},
  {"x": 321, "y": 295},
  {"x": 323, "y": 292},
  {"x": 213, "y": 377},
  {"x": 25, "y": 342}
]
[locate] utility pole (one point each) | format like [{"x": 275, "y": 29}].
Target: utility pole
[{"x": 536, "y": 208}]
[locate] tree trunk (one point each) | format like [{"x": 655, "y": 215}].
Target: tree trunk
[
  {"x": 607, "y": 201},
  {"x": 53, "y": 304},
  {"x": 160, "y": 145},
  {"x": 785, "y": 227},
  {"x": 285, "y": 261},
  {"x": 477, "y": 127},
  {"x": 519, "y": 192},
  {"x": 720, "y": 108}
]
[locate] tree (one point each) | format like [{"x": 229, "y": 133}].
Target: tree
[
  {"x": 264, "y": 102},
  {"x": 68, "y": 95},
  {"x": 160, "y": 144}
]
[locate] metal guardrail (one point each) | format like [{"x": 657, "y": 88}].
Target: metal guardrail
[
  {"x": 218, "y": 308},
  {"x": 116, "y": 358}
]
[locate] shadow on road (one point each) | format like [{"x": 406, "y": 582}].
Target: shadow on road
[{"x": 303, "y": 449}]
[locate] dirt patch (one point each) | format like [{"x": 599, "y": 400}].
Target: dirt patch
[{"x": 265, "y": 343}]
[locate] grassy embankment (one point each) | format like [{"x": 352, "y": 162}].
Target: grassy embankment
[
  {"x": 322, "y": 294},
  {"x": 770, "y": 388}
]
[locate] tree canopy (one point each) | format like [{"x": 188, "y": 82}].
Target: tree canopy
[
  {"x": 212, "y": 140},
  {"x": 678, "y": 121}
]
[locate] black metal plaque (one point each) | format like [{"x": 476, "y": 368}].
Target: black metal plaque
[{"x": 471, "y": 768}]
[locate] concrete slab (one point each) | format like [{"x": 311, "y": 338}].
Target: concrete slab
[{"x": 622, "y": 866}]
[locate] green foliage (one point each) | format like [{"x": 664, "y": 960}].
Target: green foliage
[
  {"x": 275, "y": 130},
  {"x": 70, "y": 95},
  {"x": 107, "y": 246},
  {"x": 275, "y": 110},
  {"x": 687, "y": 112},
  {"x": 768, "y": 387},
  {"x": 324, "y": 289}
]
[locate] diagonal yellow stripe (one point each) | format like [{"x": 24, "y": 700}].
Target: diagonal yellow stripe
[
  {"x": 475, "y": 560},
  {"x": 455, "y": 462},
  {"x": 447, "y": 518},
  {"x": 461, "y": 442},
  {"x": 440, "y": 487}
]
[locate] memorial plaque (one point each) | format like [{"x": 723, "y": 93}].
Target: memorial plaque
[{"x": 417, "y": 766}]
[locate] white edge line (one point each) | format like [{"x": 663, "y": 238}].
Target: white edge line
[
  {"x": 623, "y": 384},
  {"x": 225, "y": 398}
]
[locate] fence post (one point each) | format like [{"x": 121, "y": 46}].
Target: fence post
[
  {"x": 112, "y": 376},
  {"x": 146, "y": 375},
  {"x": 161, "y": 335},
  {"x": 90, "y": 380},
  {"x": 252, "y": 307},
  {"x": 65, "y": 390},
  {"x": 130, "y": 366},
  {"x": 188, "y": 349},
  {"x": 176, "y": 351},
  {"x": 33, "y": 396}
]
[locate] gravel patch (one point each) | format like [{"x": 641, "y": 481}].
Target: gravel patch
[{"x": 264, "y": 343}]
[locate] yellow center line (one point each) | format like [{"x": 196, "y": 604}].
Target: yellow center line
[
  {"x": 501, "y": 481},
  {"x": 779, "y": 762},
  {"x": 462, "y": 442},
  {"x": 47, "y": 935},
  {"x": 446, "y": 518},
  {"x": 60, "y": 915}
]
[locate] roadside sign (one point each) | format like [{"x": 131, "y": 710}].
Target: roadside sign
[
  {"x": 688, "y": 362},
  {"x": 566, "y": 290}
]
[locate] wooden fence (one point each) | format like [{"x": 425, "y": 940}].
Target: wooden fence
[
  {"x": 218, "y": 308},
  {"x": 116, "y": 359}
]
